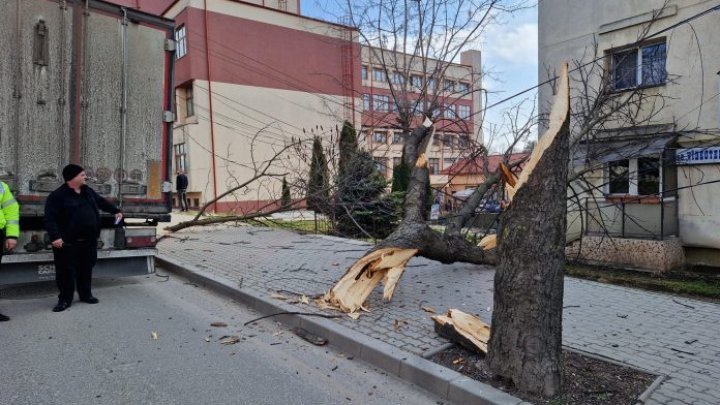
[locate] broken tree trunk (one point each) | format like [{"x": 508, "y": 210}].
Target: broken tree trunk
[
  {"x": 355, "y": 286},
  {"x": 526, "y": 336},
  {"x": 413, "y": 234},
  {"x": 464, "y": 329}
]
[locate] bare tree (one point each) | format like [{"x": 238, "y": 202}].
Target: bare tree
[{"x": 405, "y": 38}]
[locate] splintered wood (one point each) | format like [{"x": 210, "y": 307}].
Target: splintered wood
[
  {"x": 513, "y": 184},
  {"x": 558, "y": 113},
  {"x": 466, "y": 330},
  {"x": 386, "y": 265},
  {"x": 488, "y": 242}
]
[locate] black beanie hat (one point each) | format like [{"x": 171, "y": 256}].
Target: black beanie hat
[{"x": 70, "y": 171}]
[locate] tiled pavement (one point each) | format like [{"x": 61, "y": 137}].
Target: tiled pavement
[{"x": 676, "y": 337}]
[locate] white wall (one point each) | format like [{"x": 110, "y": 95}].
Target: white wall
[{"x": 690, "y": 101}]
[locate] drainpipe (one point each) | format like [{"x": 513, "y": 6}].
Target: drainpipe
[
  {"x": 124, "y": 105},
  {"x": 352, "y": 75},
  {"x": 62, "y": 102},
  {"x": 80, "y": 140},
  {"x": 17, "y": 92},
  {"x": 210, "y": 97}
]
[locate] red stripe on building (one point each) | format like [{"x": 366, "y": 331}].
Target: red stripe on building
[{"x": 253, "y": 53}]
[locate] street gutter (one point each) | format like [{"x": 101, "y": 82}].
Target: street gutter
[{"x": 441, "y": 381}]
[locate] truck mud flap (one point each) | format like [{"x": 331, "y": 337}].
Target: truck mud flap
[{"x": 28, "y": 268}]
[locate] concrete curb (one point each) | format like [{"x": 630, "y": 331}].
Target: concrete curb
[
  {"x": 649, "y": 390},
  {"x": 439, "y": 380}
]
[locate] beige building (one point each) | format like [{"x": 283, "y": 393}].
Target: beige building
[
  {"x": 251, "y": 77},
  {"x": 652, "y": 178},
  {"x": 451, "y": 89}
]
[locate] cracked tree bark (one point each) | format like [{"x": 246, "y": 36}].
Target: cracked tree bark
[{"x": 526, "y": 335}]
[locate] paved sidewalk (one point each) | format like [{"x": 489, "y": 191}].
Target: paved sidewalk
[{"x": 647, "y": 330}]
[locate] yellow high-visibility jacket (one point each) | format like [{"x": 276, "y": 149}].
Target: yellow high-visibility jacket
[{"x": 9, "y": 212}]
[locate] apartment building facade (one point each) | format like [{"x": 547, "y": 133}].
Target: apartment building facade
[
  {"x": 251, "y": 76},
  {"x": 449, "y": 91},
  {"x": 651, "y": 173},
  {"x": 250, "y": 80}
]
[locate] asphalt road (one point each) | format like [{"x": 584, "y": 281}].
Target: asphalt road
[{"x": 106, "y": 353}]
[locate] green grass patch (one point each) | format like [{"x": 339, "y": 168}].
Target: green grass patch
[{"x": 682, "y": 283}]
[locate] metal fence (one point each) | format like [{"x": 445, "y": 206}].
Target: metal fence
[{"x": 632, "y": 219}]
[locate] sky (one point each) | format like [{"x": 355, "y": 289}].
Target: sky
[{"x": 510, "y": 60}]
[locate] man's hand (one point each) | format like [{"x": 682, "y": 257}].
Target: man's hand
[
  {"x": 57, "y": 243},
  {"x": 118, "y": 217},
  {"x": 10, "y": 243}
]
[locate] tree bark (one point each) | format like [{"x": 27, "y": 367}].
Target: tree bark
[
  {"x": 526, "y": 335},
  {"x": 435, "y": 246}
]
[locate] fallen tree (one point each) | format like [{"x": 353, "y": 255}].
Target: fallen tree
[
  {"x": 525, "y": 343},
  {"x": 412, "y": 237}
]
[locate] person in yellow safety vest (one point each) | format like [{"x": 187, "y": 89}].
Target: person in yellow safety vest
[{"x": 9, "y": 224}]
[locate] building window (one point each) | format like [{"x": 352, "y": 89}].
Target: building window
[
  {"x": 282, "y": 5},
  {"x": 381, "y": 164},
  {"x": 447, "y": 162},
  {"x": 189, "y": 102},
  {"x": 379, "y": 137},
  {"x": 449, "y": 86},
  {"x": 378, "y": 75},
  {"x": 434, "y": 165},
  {"x": 463, "y": 87},
  {"x": 180, "y": 42},
  {"x": 180, "y": 157},
  {"x": 435, "y": 111},
  {"x": 416, "y": 81},
  {"x": 381, "y": 103},
  {"x": 639, "y": 176},
  {"x": 397, "y": 137},
  {"x": 641, "y": 66},
  {"x": 448, "y": 141},
  {"x": 431, "y": 84},
  {"x": 364, "y": 72},
  {"x": 366, "y": 102},
  {"x": 450, "y": 112},
  {"x": 398, "y": 78},
  {"x": 619, "y": 177},
  {"x": 418, "y": 107},
  {"x": 648, "y": 174},
  {"x": 463, "y": 141},
  {"x": 464, "y": 111}
]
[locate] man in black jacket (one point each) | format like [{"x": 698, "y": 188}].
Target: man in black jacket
[
  {"x": 72, "y": 221},
  {"x": 181, "y": 185}
]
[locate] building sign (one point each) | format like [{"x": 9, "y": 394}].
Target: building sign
[{"x": 697, "y": 156}]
